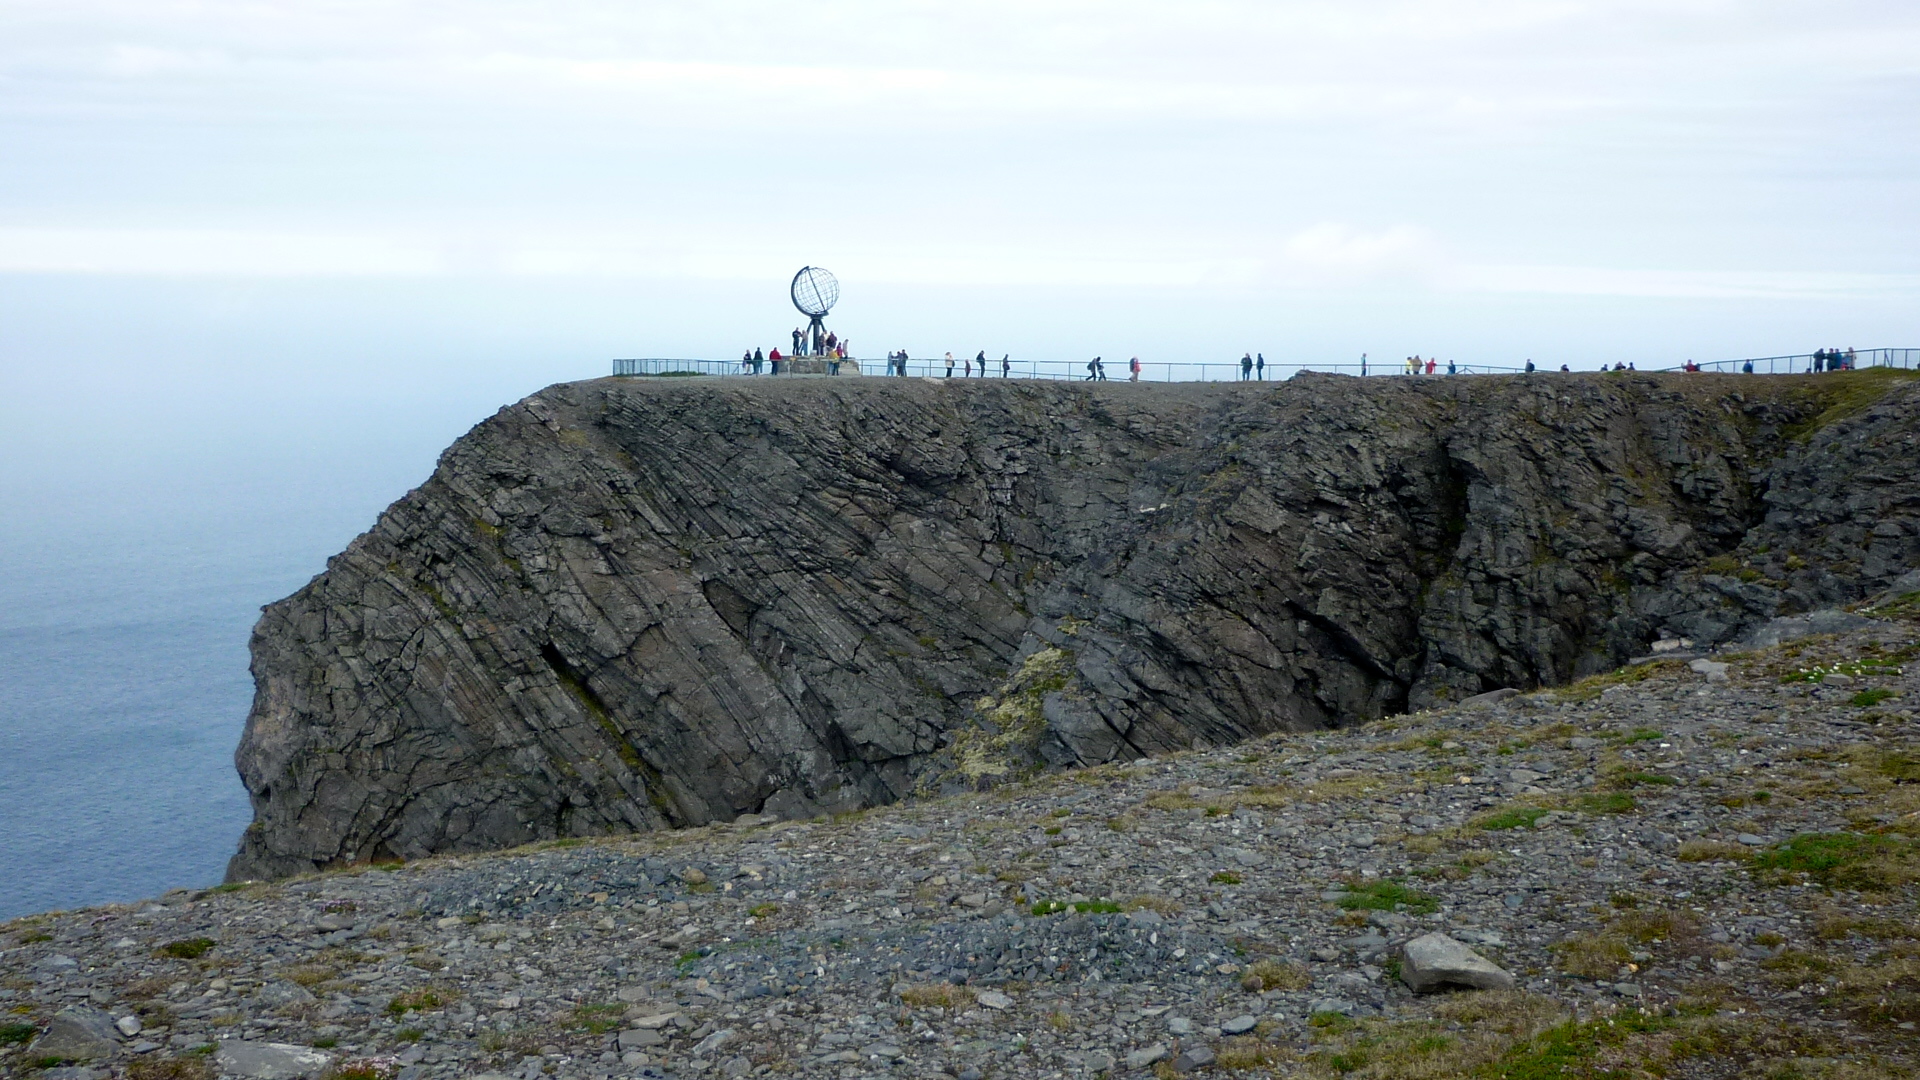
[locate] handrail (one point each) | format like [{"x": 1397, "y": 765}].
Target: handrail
[
  {"x": 1058, "y": 370},
  {"x": 1206, "y": 371}
]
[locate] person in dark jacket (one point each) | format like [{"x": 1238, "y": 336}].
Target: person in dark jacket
[{"x": 1246, "y": 367}]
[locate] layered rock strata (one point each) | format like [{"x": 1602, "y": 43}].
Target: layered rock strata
[{"x": 628, "y": 605}]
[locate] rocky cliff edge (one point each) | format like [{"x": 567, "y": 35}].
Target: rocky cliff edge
[{"x": 627, "y": 605}]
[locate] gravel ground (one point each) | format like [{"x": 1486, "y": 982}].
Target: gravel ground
[{"x": 1625, "y": 847}]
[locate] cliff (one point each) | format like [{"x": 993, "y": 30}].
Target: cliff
[{"x": 628, "y": 605}]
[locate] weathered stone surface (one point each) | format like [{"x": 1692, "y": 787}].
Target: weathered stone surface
[
  {"x": 77, "y": 1034},
  {"x": 270, "y": 1061},
  {"x": 1433, "y": 962},
  {"x": 627, "y": 605}
]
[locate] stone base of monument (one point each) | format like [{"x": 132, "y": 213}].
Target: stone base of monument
[{"x": 815, "y": 366}]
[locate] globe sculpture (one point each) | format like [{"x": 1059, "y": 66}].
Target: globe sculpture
[{"x": 814, "y": 292}]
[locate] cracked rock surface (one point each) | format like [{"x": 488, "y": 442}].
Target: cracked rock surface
[
  {"x": 1689, "y": 876},
  {"x": 625, "y": 605}
]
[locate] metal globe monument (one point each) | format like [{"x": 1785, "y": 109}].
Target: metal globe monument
[{"x": 815, "y": 290}]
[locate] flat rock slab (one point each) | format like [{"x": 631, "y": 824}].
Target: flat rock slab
[
  {"x": 77, "y": 1035},
  {"x": 1435, "y": 961},
  {"x": 271, "y": 1061}
]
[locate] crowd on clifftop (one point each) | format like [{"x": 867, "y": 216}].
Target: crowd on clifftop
[{"x": 835, "y": 350}]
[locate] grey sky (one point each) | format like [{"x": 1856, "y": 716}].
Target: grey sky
[{"x": 1300, "y": 175}]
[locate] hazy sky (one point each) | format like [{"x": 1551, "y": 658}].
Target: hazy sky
[{"x": 256, "y": 210}]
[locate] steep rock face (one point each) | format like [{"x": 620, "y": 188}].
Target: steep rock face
[{"x": 635, "y": 604}]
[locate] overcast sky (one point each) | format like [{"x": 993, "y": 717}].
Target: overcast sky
[{"x": 528, "y": 188}]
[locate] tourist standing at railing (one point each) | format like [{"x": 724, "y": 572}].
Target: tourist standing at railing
[
  {"x": 966, "y": 368},
  {"x": 1432, "y": 363},
  {"x": 1133, "y": 370},
  {"x": 1006, "y": 366},
  {"x": 1363, "y": 365},
  {"x": 746, "y": 362},
  {"x": 949, "y": 365},
  {"x": 1529, "y": 365},
  {"x": 798, "y": 337},
  {"x": 774, "y": 359},
  {"x": 1260, "y": 366},
  {"x": 1747, "y": 368},
  {"x": 1246, "y": 367},
  {"x": 759, "y": 358},
  {"x": 980, "y": 364},
  {"x": 1850, "y": 358},
  {"x": 1450, "y": 367}
]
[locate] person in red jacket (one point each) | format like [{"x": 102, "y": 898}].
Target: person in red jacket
[{"x": 1133, "y": 370}]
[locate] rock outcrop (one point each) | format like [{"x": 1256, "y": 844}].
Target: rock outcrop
[{"x": 636, "y": 604}]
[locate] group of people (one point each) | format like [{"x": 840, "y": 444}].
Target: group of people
[
  {"x": 974, "y": 368},
  {"x": 1833, "y": 360},
  {"x": 1429, "y": 366}
]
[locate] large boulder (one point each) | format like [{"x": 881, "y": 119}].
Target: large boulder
[
  {"x": 1436, "y": 962},
  {"x": 77, "y": 1034}
]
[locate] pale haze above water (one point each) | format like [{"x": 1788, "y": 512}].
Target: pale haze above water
[{"x": 260, "y": 263}]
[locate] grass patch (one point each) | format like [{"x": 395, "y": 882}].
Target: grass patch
[
  {"x": 1225, "y": 877},
  {"x": 937, "y": 996},
  {"x": 1275, "y": 975},
  {"x": 1874, "y": 696},
  {"x": 154, "y": 1067},
  {"x": 1593, "y": 686},
  {"x": 1084, "y": 907},
  {"x": 1608, "y": 802},
  {"x": 187, "y": 948},
  {"x": 425, "y": 999},
  {"x": 763, "y": 911},
  {"x": 410, "y": 1034},
  {"x": 1713, "y": 851},
  {"x": 596, "y": 1019},
  {"x": 1387, "y": 896},
  {"x": 309, "y": 974},
  {"x": 1512, "y": 817},
  {"x": 1160, "y": 904},
  {"x": 1639, "y": 779},
  {"x": 1841, "y": 861},
  {"x": 17, "y": 1034}
]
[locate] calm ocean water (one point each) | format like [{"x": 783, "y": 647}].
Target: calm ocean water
[{"x": 123, "y": 690}]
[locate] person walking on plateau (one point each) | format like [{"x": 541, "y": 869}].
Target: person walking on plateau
[
  {"x": 1133, "y": 370},
  {"x": 1246, "y": 367},
  {"x": 1093, "y": 370},
  {"x": 949, "y": 365},
  {"x": 1006, "y": 366}
]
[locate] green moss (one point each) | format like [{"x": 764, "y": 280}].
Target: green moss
[
  {"x": 1874, "y": 696},
  {"x": 1848, "y": 393},
  {"x": 1842, "y": 860},
  {"x": 1608, "y": 802},
  {"x": 1567, "y": 1051},
  {"x": 1004, "y": 744},
  {"x": 16, "y": 1034},
  {"x": 1386, "y": 895},
  {"x": 1513, "y": 817},
  {"x": 1225, "y": 877},
  {"x": 188, "y": 948}
]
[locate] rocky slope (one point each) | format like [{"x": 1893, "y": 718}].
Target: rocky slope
[
  {"x": 624, "y": 605},
  {"x": 1701, "y": 870}
]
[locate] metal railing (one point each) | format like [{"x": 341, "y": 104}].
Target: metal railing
[
  {"x": 1800, "y": 363},
  {"x": 1059, "y": 370},
  {"x": 1189, "y": 371}
]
